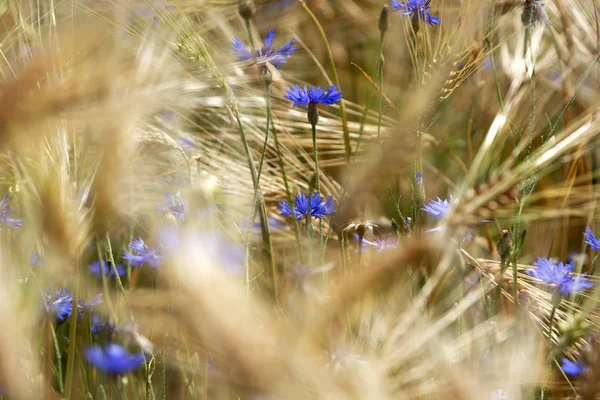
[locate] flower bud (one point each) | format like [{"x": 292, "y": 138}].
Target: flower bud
[
  {"x": 384, "y": 19},
  {"x": 246, "y": 9},
  {"x": 265, "y": 77}
]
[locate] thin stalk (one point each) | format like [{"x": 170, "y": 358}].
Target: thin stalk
[
  {"x": 111, "y": 309},
  {"x": 264, "y": 150},
  {"x": 266, "y": 234},
  {"x": 288, "y": 192},
  {"x": 336, "y": 79},
  {"x": 249, "y": 33},
  {"x": 111, "y": 259},
  {"x": 380, "y": 75},
  {"x": 363, "y": 118},
  {"x": 72, "y": 336},
  {"x": 318, "y": 177}
]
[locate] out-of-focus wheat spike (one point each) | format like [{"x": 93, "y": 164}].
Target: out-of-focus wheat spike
[
  {"x": 265, "y": 356},
  {"x": 19, "y": 367}
]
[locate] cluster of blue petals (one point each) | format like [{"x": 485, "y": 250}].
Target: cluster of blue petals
[
  {"x": 141, "y": 254},
  {"x": 559, "y": 275},
  {"x": 6, "y": 214},
  {"x": 174, "y": 206},
  {"x": 315, "y": 95},
  {"x": 416, "y": 9},
  {"x": 311, "y": 206},
  {"x": 113, "y": 359},
  {"x": 99, "y": 268},
  {"x": 265, "y": 55},
  {"x": 572, "y": 368}
]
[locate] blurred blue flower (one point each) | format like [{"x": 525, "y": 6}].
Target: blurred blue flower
[
  {"x": 559, "y": 275},
  {"x": 175, "y": 206},
  {"x": 186, "y": 142},
  {"x": 417, "y": 9},
  {"x": 99, "y": 324},
  {"x": 379, "y": 244},
  {"x": 96, "y": 268},
  {"x": 6, "y": 212},
  {"x": 438, "y": 209},
  {"x": 141, "y": 254},
  {"x": 312, "y": 206},
  {"x": 591, "y": 239},
  {"x": 267, "y": 54},
  {"x": 572, "y": 368},
  {"x": 61, "y": 305},
  {"x": 113, "y": 359},
  {"x": 304, "y": 97},
  {"x": 35, "y": 259}
]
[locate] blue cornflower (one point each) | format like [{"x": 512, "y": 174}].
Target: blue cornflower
[
  {"x": 113, "y": 359},
  {"x": 175, "y": 206},
  {"x": 591, "y": 239},
  {"x": 559, "y": 275},
  {"x": 35, "y": 260},
  {"x": 267, "y": 54},
  {"x": 99, "y": 324},
  {"x": 61, "y": 306},
  {"x": 141, "y": 253},
  {"x": 6, "y": 212},
  {"x": 311, "y": 206},
  {"x": 418, "y": 10},
  {"x": 572, "y": 368},
  {"x": 304, "y": 97},
  {"x": 438, "y": 209},
  {"x": 96, "y": 268},
  {"x": 379, "y": 244}
]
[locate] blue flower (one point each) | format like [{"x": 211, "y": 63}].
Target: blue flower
[
  {"x": 572, "y": 368},
  {"x": 591, "y": 239},
  {"x": 61, "y": 306},
  {"x": 96, "y": 269},
  {"x": 6, "y": 212},
  {"x": 98, "y": 325},
  {"x": 417, "y": 9},
  {"x": 265, "y": 55},
  {"x": 141, "y": 253},
  {"x": 559, "y": 275},
  {"x": 438, "y": 208},
  {"x": 379, "y": 244},
  {"x": 175, "y": 206},
  {"x": 314, "y": 96},
  {"x": 113, "y": 359},
  {"x": 312, "y": 206},
  {"x": 35, "y": 260}
]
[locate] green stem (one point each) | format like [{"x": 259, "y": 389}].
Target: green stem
[
  {"x": 111, "y": 259},
  {"x": 264, "y": 150},
  {"x": 250, "y": 38},
  {"x": 336, "y": 79},
  {"x": 266, "y": 234},
  {"x": 72, "y": 336},
  {"x": 288, "y": 192}
]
